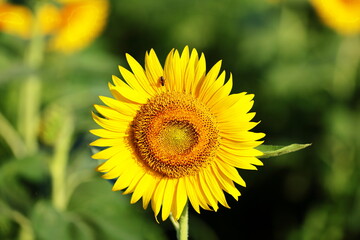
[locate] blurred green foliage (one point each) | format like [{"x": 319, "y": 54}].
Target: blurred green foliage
[{"x": 306, "y": 81}]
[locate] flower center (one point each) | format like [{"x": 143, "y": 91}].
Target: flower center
[
  {"x": 178, "y": 137},
  {"x": 174, "y": 135}
]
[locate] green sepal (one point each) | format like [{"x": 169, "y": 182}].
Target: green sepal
[{"x": 273, "y": 151}]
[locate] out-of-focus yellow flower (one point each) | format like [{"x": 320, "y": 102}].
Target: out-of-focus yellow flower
[
  {"x": 49, "y": 17},
  {"x": 81, "y": 23},
  {"x": 72, "y": 24},
  {"x": 15, "y": 20},
  {"x": 341, "y": 15}
]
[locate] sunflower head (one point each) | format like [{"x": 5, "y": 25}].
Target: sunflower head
[{"x": 175, "y": 134}]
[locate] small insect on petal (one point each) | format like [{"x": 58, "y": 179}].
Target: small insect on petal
[{"x": 162, "y": 81}]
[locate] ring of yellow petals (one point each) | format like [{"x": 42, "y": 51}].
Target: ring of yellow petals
[{"x": 157, "y": 125}]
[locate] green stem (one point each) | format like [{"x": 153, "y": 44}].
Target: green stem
[
  {"x": 26, "y": 231},
  {"x": 58, "y": 164},
  {"x": 183, "y": 230},
  {"x": 31, "y": 88},
  {"x": 29, "y": 112},
  {"x": 12, "y": 138},
  {"x": 346, "y": 66}
]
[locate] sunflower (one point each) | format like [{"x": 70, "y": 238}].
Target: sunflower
[
  {"x": 341, "y": 15},
  {"x": 15, "y": 19},
  {"x": 175, "y": 134},
  {"x": 71, "y": 24},
  {"x": 81, "y": 21}
]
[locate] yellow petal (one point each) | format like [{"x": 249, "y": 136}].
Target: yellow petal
[
  {"x": 121, "y": 160},
  {"x": 149, "y": 192},
  {"x": 243, "y": 105},
  {"x": 157, "y": 198},
  {"x": 208, "y": 94},
  {"x": 110, "y": 113},
  {"x": 230, "y": 172},
  {"x": 236, "y": 162},
  {"x": 138, "y": 79},
  {"x": 225, "y": 182},
  {"x": 168, "y": 71},
  {"x": 242, "y": 136},
  {"x": 241, "y": 152},
  {"x": 168, "y": 198},
  {"x": 113, "y": 125},
  {"x": 234, "y": 127},
  {"x": 141, "y": 188},
  {"x": 190, "y": 191},
  {"x": 226, "y": 103},
  {"x": 240, "y": 144},
  {"x": 204, "y": 188},
  {"x": 209, "y": 80},
  {"x": 214, "y": 187},
  {"x": 112, "y": 174},
  {"x": 134, "y": 182},
  {"x": 127, "y": 92},
  {"x": 184, "y": 60},
  {"x": 180, "y": 199},
  {"x": 124, "y": 108},
  {"x": 106, "y": 166},
  {"x": 125, "y": 178},
  {"x": 172, "y": 71},
  {"x": 195, "y": 183},
  {"x": 190, "y": 72},
  {"x": 221, "y": 93},
  {"x": 105, "y": 133},
  {"x": 200, "y": 71},
  {"x": 107, "y": 142},
  {"x": 239, "y": 110},
  {"x": 153, "y": 69},
  {"x": 107, "y": 153},
  {"x": 178, "y": 76}
]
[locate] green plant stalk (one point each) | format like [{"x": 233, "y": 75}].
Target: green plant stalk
[
  {"x": 29, "y": 112},
  {"x": 58, "y": 165},
  {"x": 26, "y": 231},
  {"x": 12, "y": 137},
  {"x": 31, "y": 88},
  {"x": 346, "y": 66},
  {"x": 183, "y": 229}
]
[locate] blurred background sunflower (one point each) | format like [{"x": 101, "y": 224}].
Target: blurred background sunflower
[{"x": 301, "y": 63}]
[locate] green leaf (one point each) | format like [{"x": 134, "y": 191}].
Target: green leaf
[
  {"x": 48, "y": 222},
  {"x": 115, "y": 218},
  {"x": 273, "y": 151},
  {"x": 80, "y": 229}
]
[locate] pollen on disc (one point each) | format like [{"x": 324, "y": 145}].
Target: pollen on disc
[{"x": 175, "y": 135}]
